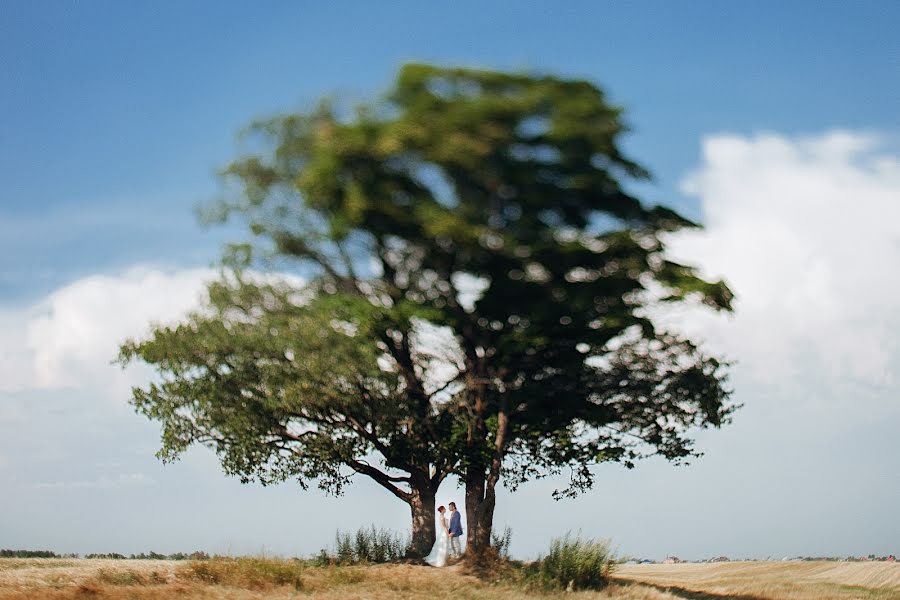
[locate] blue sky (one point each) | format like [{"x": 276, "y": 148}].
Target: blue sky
[
  {"x": 115, "y": 116},
  {"x": 121, "y": 113}
]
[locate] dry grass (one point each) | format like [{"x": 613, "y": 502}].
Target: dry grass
[
  {"x": 257, "y": 578},
  {"x": 770, "y": 580}
]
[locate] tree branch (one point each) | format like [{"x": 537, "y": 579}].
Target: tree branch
[{"x": 383, "y": 479}]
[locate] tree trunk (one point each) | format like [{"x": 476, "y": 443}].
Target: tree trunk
[
  {"x": 423, "y": 527},
  {"x": 480, "y": 504},
  {"x": 481, "y": 483}
]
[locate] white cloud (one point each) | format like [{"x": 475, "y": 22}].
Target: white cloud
[
  {"x": 807, "y": 233},
  {"x": 69, "y": 338}
]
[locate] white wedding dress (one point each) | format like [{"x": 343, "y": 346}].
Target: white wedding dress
[{"x": 438, "y": 555}]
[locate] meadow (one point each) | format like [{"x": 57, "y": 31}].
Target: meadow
[{"x": 258, "y": 578}]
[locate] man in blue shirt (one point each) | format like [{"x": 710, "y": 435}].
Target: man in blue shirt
[{"x": 456, "y": 531}]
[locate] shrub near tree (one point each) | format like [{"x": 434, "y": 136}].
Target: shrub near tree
[
  {"x": 486, "y": 210},
  {"x": 575, "y": 562}
]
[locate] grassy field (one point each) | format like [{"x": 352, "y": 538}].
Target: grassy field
[
  {"x": 758, "y": 580},
  {"x": 246, "y": 579}
]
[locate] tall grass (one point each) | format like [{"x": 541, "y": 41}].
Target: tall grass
[
  {"x": 367, "y": 545},
  {"x": 576, "y": 563},
  {"x": 501, "y": 541},
  {"x": 126, "y": 578},
  {"x": 249, "y": 573}
]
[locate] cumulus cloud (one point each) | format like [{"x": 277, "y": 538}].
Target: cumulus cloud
[
  {"x": 807, "y": 233},
  {"x": 68, "y": 338}
]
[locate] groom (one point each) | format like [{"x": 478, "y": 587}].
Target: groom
[{"x": 455, "y": 531}]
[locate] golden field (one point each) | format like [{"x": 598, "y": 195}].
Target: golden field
[
  {"x": 764, "y": 580},
  {"x": 258, "y": 578}
]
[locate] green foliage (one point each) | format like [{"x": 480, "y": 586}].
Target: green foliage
[
  {"x": 323, "y": 559},
  {"x": 575, "y": 563},
  {"x": 196, "y": 555},
  {"x": 515, "y": 180},
  {"x": 281, "y": 382},
  {"x": 501, "y": 541},
  {"x": 344, "y": 550},
  {"x": 367, "y": 545},
  {"x": 149, "y": 556},
  {"x": 7, "y": 553}
]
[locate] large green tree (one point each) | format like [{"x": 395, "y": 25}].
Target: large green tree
[
  {"x": 490, "y": 207},
  {"x": 287, "y": 382}
]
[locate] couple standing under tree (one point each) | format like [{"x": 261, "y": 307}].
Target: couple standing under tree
[{"x": 448, "y": 535}]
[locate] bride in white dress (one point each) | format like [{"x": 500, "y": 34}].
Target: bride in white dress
[{"x": 438, "y": 555}]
